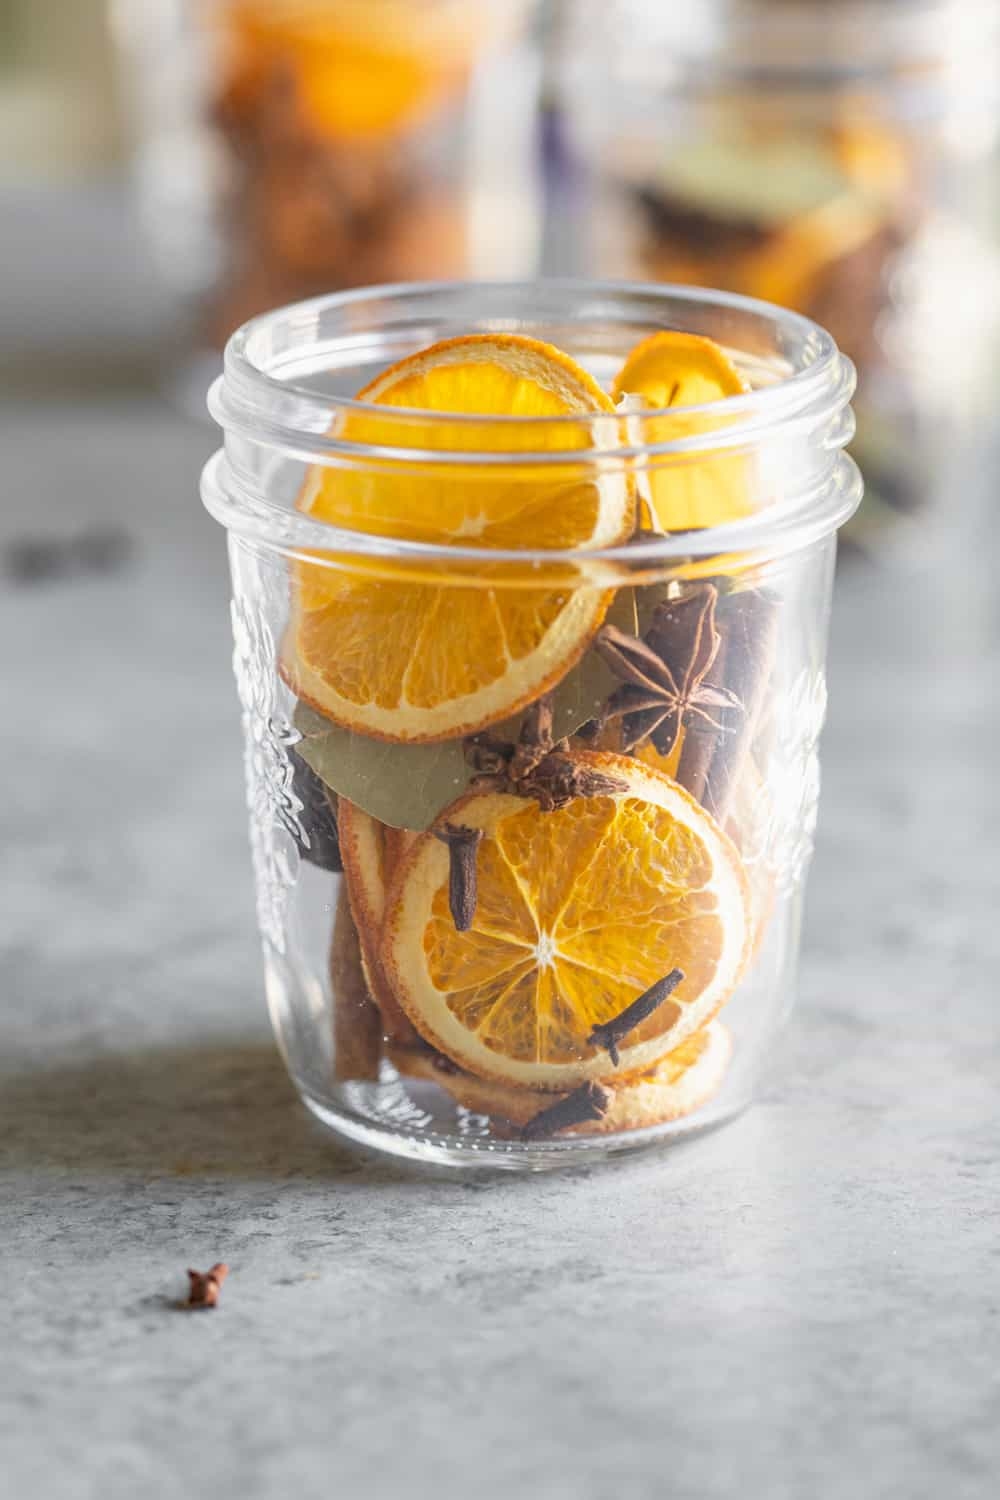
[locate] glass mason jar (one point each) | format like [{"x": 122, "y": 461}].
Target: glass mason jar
[
  {"x": 516, "y": 906},
  {"x": 285, "y": 148},
  {"x": 836, "y": 159}
]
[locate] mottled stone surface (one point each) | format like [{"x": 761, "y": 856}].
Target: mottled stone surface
[{"x": 805, "y": 1304}]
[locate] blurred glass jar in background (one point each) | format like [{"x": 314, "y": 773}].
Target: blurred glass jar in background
[
  {"x": 286, "y": 148},
  {"x": 836, "y": 159}
]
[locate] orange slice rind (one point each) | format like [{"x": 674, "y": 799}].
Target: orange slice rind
[
  {"x": 579, "y": 910},
  {"x": 685, "y": 1080}
]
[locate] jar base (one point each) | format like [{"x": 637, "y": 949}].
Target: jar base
[{"x": 418, "y": 1122}]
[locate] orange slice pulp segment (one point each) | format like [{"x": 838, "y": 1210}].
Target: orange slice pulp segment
[
  {"x": 674, "y": 369},
  {"x": 578, "y": 912},
  {"x": 400, "y": 658}
]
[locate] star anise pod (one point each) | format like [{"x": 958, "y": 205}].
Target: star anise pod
[
  {"x": 537, "y": 766},
  {"x": 663, "y": 674}
]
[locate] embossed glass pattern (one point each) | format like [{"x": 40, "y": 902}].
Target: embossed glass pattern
[{"x": 532, "y": 775}]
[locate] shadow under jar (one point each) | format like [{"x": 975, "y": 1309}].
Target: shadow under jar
[
  {"x": 285, "y": 148},
  {"x": 839, "y": 159},
  {"x": 532, "y": 782}
]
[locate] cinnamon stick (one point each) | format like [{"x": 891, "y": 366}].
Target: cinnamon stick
[
  {"x": 710, "y": 764},
  {"x": 357, "y": 1024}
]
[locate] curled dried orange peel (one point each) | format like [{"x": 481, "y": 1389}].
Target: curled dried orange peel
[
  {"x": 406, "y": 659},
  {"x": 675, "y": 370},
  {"x": 578, "y": 910}
]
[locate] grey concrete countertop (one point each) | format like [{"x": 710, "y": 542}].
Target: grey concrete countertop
[{"x": 806, "y": 1304}]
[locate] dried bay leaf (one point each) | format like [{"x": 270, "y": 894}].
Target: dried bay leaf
[{"x": 407, "y": 786}]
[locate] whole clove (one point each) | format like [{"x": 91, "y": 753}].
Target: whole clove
[
  {"x": 535, "y": 741},
  {"x": 488, "y": 755},
  {"x": 537, "y": 766},
  {"x": 591, "y": 1101},
  {"x": 205, "y": 1286},
  {"x": 559, "y": 779},
  {"x": 463, "y": 844},
  {"x": 610, "y": 1034}
]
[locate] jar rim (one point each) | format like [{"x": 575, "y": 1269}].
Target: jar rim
[
  {"x": 245, "y": 381},
  {"x": 911, "y": 43},
  {"x": 261, "y": 400}
]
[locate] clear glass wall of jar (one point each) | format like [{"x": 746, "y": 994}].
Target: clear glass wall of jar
[
  {"x": 517, "y": 908},
  {"x": 839, "y": 159},
  {"x": 285, "y": 148}
]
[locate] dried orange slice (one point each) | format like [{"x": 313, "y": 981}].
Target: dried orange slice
[
  {"x": 681, "y": 1083},
  {"x": 370, "y": 852},
  {"x": 578, "y": 911},
  {"x": 404, "y": 658},
  {"x": 361, "y": 69},
  {"x": 876, "y": 159},
  {"x": 787, "y": 268},
  {"x": 676, "y": 369}
]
